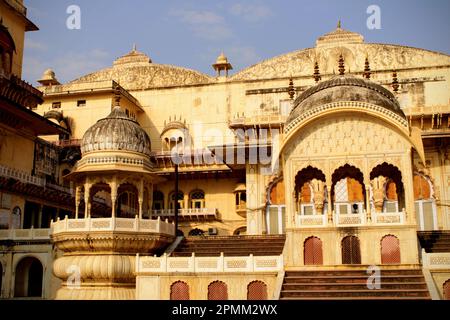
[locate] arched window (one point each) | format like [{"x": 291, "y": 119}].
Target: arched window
[
  {"x": 28, "y": 278},
  {"x": 179, "y": 290},
  {"x": 276, "y": 209},
  {"x": 348, "y": 191},
  {"x": 446, "y": 290},
  {"x": 158, "y": 200},
  {"x": 312, "y": 251},
  {"x": 390, "y": 250},
  {"x": 425, "y": 205},
  {"x": 257, "y": 290},
  {"x": 180, "y": 199},
  {"x": 197, "y": 199},
  {"x": 196, "y": 232},
  {"x": 351, "y": 253},
  {"x": 217, "y": 290},
  {"x": 7, "y": 48}
]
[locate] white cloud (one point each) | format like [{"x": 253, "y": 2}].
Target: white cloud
[
  {"x": 35, "y": 45},
  {"x": 67, "y": 67},
  {"x": 251, "y": 12},
  {"x": 243, "y": 56},
  {"x": 204, "y": 24}
]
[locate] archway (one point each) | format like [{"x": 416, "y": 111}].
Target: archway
[
  {"x": 257, "y": 290},
  {"x": 158, "y": 200},
  {"x": 312, "y": 251},
  {"x": 446, "y": 290},
  {"x": 179, "y": 290},
  {"x": 217, "y": 290},
  {"x": 276, "y": 208},
  {"x": 348, "y": 190},
  {"x": 240, "y": 231},
  {"x": 387, "y": 186},
  {"x": 127, "y": 201},
  {"x": 351, "y": 253},
  {"x": 28, "y": 278},
  {"x": 390, "y": 250},
  {"x": 100, "y": 193},
  {"x": 425, "y": 204},
  {"x": 180, "y": 199}
]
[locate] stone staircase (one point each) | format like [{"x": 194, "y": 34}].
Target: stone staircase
[
  {"x": 351, "y": 284},
  {"x": 434, "y": 241},
  {"x": 264, "y": 245}
]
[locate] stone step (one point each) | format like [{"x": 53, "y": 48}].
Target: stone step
[
  {"x": 352, "y": 279},
  {"x": 356, "y": 293},
  {"x": 357, "y": 298},
  {"x": 352, "y": 272},
  {"x": 351, "y": 286}
]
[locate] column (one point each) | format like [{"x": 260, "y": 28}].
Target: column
[
  {"x": 149, "y": 200},
  {"x": 407, "y": 174},
  {"x": 113, "y": 185},
  {"x": 141, "y": 197},
  {"x": 39, "y": 217},
  {"x": 77, "y": 200},
  {"x": 330, "y": 205},
  {"x": 368, "y": 207},
  {"x": 87, "y": 199}
]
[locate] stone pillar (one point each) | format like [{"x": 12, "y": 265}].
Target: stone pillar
[
  {"x": 77, "y": 200},
  {"x": 141, "y": 197},
  {"x": 407, "y": 175},
  {"x": 113, "y": 185},
  {"x": 318, "y": 198},
  {"x": 330, "y": 205},
  {"x": 149, "y": 200},
  {"x": 368, "y": 206},
  {"x": 87, "y": 199}
]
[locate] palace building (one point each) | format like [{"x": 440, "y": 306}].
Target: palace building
[{"x": 299, "y": 177}]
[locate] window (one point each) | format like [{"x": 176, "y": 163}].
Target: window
[
  {"x": 180, "y": 200},
  {"x": 179, "y": 290},
  {"x": 217, "y": 290},
  {"x": 56, "y": 105},
  {"x": 257, "y": 290},
  {"x": 5, "y": 200},
  {"x": 197, "y": 199},
  {"x": 81, "y": 103},
  {"x": 158, "y": 200}
]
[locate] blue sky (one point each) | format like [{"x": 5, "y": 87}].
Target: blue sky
[{"x": 192, "y": 33}]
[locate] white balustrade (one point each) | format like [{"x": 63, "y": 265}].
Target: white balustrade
[
  {"x": 25, "y": 234},
  {"x": 153, "y": 264},
  {"x": 112, "y": 224},
  {"x": 388, "y": 218},
  {"x": 312, "y": 220},
  {"x": 350, "y": 219},
  {"x": 435, "y": 260}
]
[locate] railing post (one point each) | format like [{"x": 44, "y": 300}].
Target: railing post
[
  {"x": 136, "y": 223},
  {"x": 158, "y": 225},
  {"x": 252, "y": 262},
  {"x": 221, "y": 262},
  {"x": 136, "y": 266},
  {"x": 192, "y": 259}
]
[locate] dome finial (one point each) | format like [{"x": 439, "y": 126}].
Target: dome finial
[
  {"x": 366, "y": 73},
  {"x": 316, "y": 74},
  {"x": 291, "y": 89},
  {"x": 339, "y": 24},
  {"x": 134, "y": 47},
  {"x": 341, "y": 65},
  {"x": 395, "y": 84}
]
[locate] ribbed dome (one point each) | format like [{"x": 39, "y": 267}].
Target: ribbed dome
[
  {"x": 116, "y": 132},
  {"x": 344, "y": 88}
]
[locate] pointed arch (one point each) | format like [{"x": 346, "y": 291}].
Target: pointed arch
[
  {"x": 217, "y": 290},
  {"x": 390, "y": 249},
  {"x": 312, "y": 251},
  {"x": 179, "y": 290},
  {"x": 257, "y": 290}
]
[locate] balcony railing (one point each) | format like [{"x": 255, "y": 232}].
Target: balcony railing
[
  {"x": 25, "y": 234},
  {"x": 187, "y": 213},
  {"x": 147, "y": 264},
  {"x": 350, "y": 219},
  {"x": 21, "y": 176},
  {"x": 390, "y": 218},
  {"x": 312, "y": 220},
  {"x": 112, "y": 224},
  {"x": 435, "y": 260}
]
